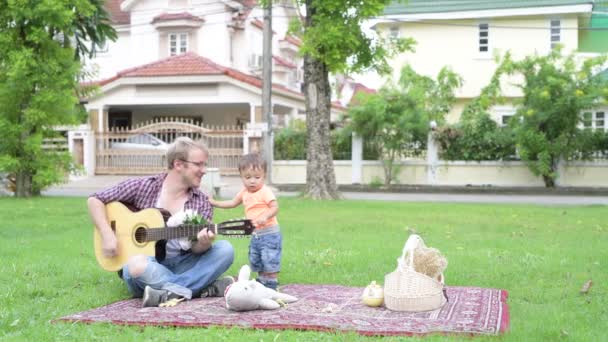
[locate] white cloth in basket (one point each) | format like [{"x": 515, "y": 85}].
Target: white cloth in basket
[{"x": 408, "y": 290}]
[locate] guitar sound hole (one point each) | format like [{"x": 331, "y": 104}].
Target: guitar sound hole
[{"x": 140, "y": 235}]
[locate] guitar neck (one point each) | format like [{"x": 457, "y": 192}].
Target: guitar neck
[{"x": 183, "y": 230}]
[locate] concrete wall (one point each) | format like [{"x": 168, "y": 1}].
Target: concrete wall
[
  {"x": 585, "y": 174},
  {"x": 457, "y": 173}
]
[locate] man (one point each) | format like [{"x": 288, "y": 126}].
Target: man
[{"x": 182, "y": 268}]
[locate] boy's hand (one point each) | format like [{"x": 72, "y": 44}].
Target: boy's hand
[{"x": 260, "y": 220}]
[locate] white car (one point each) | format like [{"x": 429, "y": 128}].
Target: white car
[{"x": 143, "y": 141}]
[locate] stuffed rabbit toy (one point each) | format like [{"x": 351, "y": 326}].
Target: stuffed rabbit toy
[{"x": 246, "y": 295}]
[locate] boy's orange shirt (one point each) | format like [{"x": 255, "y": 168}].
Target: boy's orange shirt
[{"x": 256, "y": 203}]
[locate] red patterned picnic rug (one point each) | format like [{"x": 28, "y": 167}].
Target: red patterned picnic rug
[{"x": 470, "y": 311}]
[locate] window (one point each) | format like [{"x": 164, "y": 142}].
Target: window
[
  {"x": 594, "y": 120},
  {"x": 556, "y": 25},
  {"x": 599, "y": 121},
  {"x": 178, "y": 43},
  {"x": 256, "y": 61},
  {"x": 291, "y": 77},
  {"x": 504, "y": 121},
  {"x": 484, "y": 30},
  {"x": 502, "y": 114},
  {"x": 103, "y": 47}
]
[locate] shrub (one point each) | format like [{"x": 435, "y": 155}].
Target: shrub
[
  {"x": 591, "y": 145},
  {"x": 479, "y": 138},
  {"x": 290, "y": 143}
]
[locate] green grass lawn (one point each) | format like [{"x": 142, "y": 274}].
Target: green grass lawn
[{"x": 541, "y": 255}]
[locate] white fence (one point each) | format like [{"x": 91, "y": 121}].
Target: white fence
[{"x": 435, "y": 172}]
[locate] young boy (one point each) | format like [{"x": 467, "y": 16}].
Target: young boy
[{"x": 261, "y": 208}]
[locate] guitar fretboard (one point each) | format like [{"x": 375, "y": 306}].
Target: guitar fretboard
[{"x": 168, "y": 233}]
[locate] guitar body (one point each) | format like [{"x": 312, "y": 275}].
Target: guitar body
[{"x": 125, "y": 223}]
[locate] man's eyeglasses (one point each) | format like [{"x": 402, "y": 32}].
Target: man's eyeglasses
[{"x": 200, "y": 165}]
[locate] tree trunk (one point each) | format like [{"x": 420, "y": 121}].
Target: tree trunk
[
  {"x": 549, "y": 182},
  {"x": 388, "y": 171},
  {"x": 23, "y": 184},
  {"x": 23, "y": 178},
  {"x": 320, "y": 175}
]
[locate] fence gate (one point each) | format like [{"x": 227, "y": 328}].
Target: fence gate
[{"x": 141, "y": 149}]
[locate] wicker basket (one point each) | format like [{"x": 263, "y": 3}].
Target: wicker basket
[{"x": 407, "y": 290}]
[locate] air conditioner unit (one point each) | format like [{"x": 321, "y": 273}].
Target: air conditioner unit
[{"x": 255, "y": 61}]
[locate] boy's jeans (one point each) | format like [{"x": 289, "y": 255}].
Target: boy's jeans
[{"x": 185, "y": 275}]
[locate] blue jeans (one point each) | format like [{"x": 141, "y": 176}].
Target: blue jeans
[
  {"x": 185, "y": 275},
  {"x": 265, "y": 252}
]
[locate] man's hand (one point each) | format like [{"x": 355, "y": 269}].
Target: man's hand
[
  {"x": 205, "y": 239},
  {"x": 109, "y": 245},
  {"x": 205, "y": 236}
]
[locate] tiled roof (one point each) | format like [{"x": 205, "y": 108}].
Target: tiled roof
[
  {"x": 359, "y": 89},
  {"x": 363, "y": 89},
  {"x": 284, "y": 62},
  {"x": 259, "y": 24},
  {"x": 440, "y": 6},
  {"x": 176, "y": 16},
  {"x": 190, "y": 64},
  {"x": 117, "y": 16},
  {"x": 293, "y": 40},
  {"x": 248, "y": 5}
]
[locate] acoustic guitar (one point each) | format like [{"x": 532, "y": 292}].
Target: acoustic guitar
[{"x": 137, "y": 232}]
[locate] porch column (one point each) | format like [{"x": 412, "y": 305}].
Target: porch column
[
  {"x": 252, "y": 113},
  {"x": 100, "y": 119},
  {"x": 81, "y": 144},
  {"x": 245, "y": 142},
  {"x": 292, "y": 116},
  {"x": 249, "y": 129}
]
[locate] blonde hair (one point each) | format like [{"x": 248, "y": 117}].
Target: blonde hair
[{"x": 180, "y": 149}]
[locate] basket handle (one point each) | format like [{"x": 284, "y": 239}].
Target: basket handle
[{"x": 410, "y": 245}]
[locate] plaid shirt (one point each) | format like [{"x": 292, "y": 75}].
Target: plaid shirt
[{"x": 143, "y": 193}]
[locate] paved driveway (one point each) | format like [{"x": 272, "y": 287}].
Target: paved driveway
[{"x": 232, "y": 184}]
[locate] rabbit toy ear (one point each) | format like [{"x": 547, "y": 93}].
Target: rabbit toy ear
[{"x": 244, "y": 273}]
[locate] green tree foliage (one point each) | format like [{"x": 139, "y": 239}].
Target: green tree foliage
[
  {"x": 38, "y": 82},
  {"x": 556, "y": 90},
  {"x": 333, "y": 41},
  {"x": 290, "y": 143},
  {"x": 396, "y": 119}
]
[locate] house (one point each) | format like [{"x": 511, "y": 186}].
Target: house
[
  {"x": 188, "y": 67},
  {"x": 465, "y": 35},
  {"x": 347, "y": 89}
]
